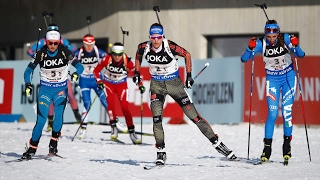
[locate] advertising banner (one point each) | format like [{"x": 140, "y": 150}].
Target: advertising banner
[{"x": 217, "y": 91}]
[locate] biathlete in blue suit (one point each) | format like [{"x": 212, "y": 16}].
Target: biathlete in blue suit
[
  {"x": 280, "y": 77},
  {"x": 89, "y": 55},
  {"x": 54, "y": 60},
  {"x": 71, "y": 98}
]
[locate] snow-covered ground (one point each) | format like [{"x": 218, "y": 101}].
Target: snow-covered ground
[{"x": 190, "y": 154}]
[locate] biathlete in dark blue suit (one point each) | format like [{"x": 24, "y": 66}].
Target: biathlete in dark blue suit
[
  {"x": 280, "y": 77},
  {"x": 54, "y": 60},
  {"x": 89, "y": 55},
  {"x": 71, "y": 98}
]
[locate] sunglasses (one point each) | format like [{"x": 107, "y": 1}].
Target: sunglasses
[
  {"x": 271, "y": 31},
  {"x": 117, "y": 54},
  {"x": 156, "y": 37},
  {"x": 53, "y": 43}
]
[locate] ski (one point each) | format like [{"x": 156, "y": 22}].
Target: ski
[
  {"x": 52, "y": 155},
  {"x": 113, "y": 140},
  {"x": 36, "y": 157},
  {"x": 252, "y": 161},
  {"x": 156, "y": 166},
  {"x": 121, "y": 132},
  {"x": 18, "y": 160},
  {"x": 121, "y": 142},
  {"x": 245, "y": 160}
]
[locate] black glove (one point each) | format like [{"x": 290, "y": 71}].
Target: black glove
[
  {"x": 28, "y": 89},
  {"x": 100, "y": 85},
  {"x": 142, "y": 89},
  {"x": 189, "y": 81},
  {"x": 136, "y": 78},
  {"x": 74, "y": 77}
]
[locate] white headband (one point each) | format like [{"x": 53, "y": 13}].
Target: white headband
[
  {"x": 53, "y": 35},
  {"x": 118, "y": 49}
]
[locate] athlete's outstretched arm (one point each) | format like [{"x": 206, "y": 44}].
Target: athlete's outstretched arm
[
  {"x": 99, "y": 67},
  {"x": 30, "y": 68},
  {"x": 139, "y": 54},
  {"x": 78, "y": 66},
  {"x": 180, "y": 51}
]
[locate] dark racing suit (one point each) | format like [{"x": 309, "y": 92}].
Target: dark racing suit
[{"x": 163, "y": 67}]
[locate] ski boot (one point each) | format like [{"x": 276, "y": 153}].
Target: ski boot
[
  {"x": 161, "y": 156},
  {"x": 286, "y": 149},
  {"x": 133, "y": 136},
  {"x": 266, "y": 153},
  {"x": 120, "y": 126},
  {"x": 114, "y": 130},
  {"x": 31, "y": 150},
  {"x": 83, "y": 130},
  {"x": 77, "y": 115},
  {"x": 50, "y": 123},
  {"x": 54, "y": 143},
  {"x": 224, "y": 150}
]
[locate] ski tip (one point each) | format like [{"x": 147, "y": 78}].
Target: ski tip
[{"x": 153, "y": 167}]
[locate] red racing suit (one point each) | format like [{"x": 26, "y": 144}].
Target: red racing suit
[{"x": 115, "y": 80}]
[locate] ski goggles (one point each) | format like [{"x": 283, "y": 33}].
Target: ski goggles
[
  {"x": 156, "y": 37},
  {"x": 53, "y": 28},
  {"x": 271, "y": 29},
  {"x": 117, "y": 54},
  {"x": 52, "y": 43}
]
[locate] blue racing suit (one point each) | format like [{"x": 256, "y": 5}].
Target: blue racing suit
[
  {"x": 280, "y": 75},
  {"x": 87, "y": 80},
  {"x": 53, "y": 85}
]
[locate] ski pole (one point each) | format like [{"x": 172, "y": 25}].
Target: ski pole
[
  {"x": 39, "y": 29},
  {"x": 301, "y": 101},
  {"x": 205, "y": 66},
  {"x": 251, "y": 87},
  {"x": 141, "y": 112},
  {"x": 84, "y": 117}
]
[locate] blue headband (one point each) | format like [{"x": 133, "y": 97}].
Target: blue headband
[
  {"x": 271, "y": 28},
  {"x": 156, "y": 30}
]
